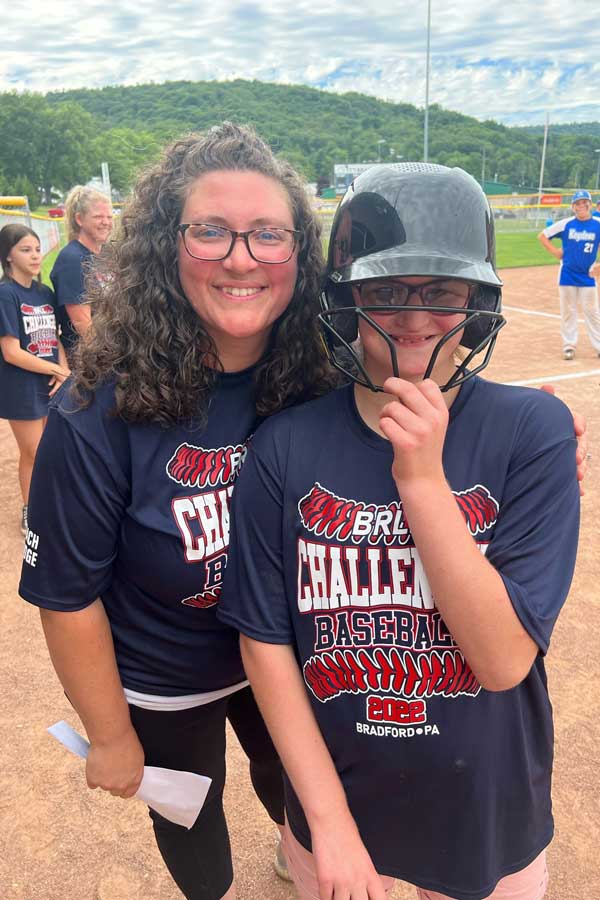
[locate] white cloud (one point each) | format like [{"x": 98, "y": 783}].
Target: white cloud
[{"x": 510, "y": 62}]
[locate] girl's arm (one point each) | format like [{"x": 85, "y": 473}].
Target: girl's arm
[
  {"x": 82, "y": 652},
  {"x": 344, "y": 867},
  {"x": 468, "y": 591},
  {"x": 14, "y": 354}
]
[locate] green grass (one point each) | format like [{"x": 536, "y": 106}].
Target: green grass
[
  {"x": 47, "y": 264},
  {"x": 48, "y": 260},
  {"x": 514, "y": 250}
]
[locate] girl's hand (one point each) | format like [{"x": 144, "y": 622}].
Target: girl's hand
[
  {"x": 415, "y": 423},
  {"x": 344, "y": 868},
  {"x": 59, "y": 374},
  {"x": 116, "y": 766}
]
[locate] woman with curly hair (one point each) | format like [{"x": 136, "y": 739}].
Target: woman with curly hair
[{"x": 204, "y": 324}]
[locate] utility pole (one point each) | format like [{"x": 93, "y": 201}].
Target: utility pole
[
  {"x": 426, "y": 123},
  {"x": 541, "y": 184}
]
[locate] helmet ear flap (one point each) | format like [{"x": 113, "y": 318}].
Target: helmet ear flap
[
  {"x": 478, "y": 328},
  {"x": 339, "y": 297}
]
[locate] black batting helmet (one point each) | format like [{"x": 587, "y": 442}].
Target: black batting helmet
[{"x": 411, "y": 219}]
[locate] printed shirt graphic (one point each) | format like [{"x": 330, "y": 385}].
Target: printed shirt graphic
[
  {"x": 26, "y": 314},
  {"x": 139, "y": 515},
  {"x": 322, "y": 557},
  {"x": 580, "y": 241}
]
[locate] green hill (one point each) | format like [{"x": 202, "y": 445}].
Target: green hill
[{"x": 64, "y": 136}]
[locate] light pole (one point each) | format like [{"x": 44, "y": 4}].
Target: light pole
[
  {"x": 598, "y": 169},
  {"x": 427, "y": 54},
  {"x": 379, "y": 143}
]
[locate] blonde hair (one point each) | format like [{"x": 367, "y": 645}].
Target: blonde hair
[{"x": 79, "y": 199}]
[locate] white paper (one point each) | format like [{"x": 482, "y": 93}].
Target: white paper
[{"x": 177, "y": 796}]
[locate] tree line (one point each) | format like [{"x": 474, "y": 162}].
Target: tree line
[{"x": 49, "y": 142}]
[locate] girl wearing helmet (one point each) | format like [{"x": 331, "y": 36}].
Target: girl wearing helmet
[{"x": 392, "y": 569}]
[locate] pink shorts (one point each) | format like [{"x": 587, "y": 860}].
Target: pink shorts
[{"x": 528, "y": 884}]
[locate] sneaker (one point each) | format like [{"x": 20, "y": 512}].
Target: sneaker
[
  {"x": 569, "y": 353},
  {"x": 280, "y": 864},
  {"x": 24, "y": 521}
]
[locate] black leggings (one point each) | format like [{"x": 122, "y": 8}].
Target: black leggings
[{"x": 193, "y": 740}]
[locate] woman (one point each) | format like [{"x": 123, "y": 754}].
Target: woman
[
  {"x": 88, "y": 216},
  {"x": 401, "y": 549},
  {"x": 32, "y": 362},
  {"x": 204, "y": 325}
]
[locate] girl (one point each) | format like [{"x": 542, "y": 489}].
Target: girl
[
  {"x": 32, "y": 362},
  {"x": 400, "y": 552}
]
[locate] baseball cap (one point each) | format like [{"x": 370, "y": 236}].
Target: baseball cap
[{"x": 581, "y": 195}]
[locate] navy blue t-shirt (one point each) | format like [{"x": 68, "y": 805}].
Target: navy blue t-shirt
[
  {"x": 580, "y": 240},
  {"x": 449, "y": 783},
  {"x": 68, "y": 279},
  {"x": 139, "y": 515},
  {"x": 26, "y": 314}
]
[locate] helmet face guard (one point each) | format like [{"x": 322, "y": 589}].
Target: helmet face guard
[
  {"x": 344, "y": 355},
  {"x": 411, "y": 219}
]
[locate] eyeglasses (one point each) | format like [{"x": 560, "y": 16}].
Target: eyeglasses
[
  {"x": 214, "y": 242},
  {"x": 451, "y": 294}
]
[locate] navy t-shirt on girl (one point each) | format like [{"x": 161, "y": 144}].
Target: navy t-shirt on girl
[
  {"x": 448, "y": 783},
  {"x": 26, "y": 314}
]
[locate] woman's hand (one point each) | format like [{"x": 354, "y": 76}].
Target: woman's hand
[
  {"x": 580, "y": 427},
  {"x": 59, "y": 375},
  {"x": 116, "y": 766},
  {"x": 415, "y": 423},
  {"x": 344, "y": 867}
]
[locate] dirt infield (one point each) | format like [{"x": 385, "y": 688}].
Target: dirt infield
[{"x": 60, "y": 841}]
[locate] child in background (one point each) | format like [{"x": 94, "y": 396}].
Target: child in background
[{"x": 32, "y": 363}]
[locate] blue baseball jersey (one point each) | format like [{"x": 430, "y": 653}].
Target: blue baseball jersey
[
  {"x": 580, "y": 241},
  {"x": 68, "y": 280},
  {"x": 138, "y": 515},
  {"x": 449, "y": 783},
  {"x": 27, "y": 314}
]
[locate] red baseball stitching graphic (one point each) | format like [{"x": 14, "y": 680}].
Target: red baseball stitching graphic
[
  {"x": 423, "y": 675},
  {"x": 197, "y": 467}
]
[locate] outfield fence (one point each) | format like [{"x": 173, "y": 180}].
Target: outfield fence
[{"x": 512, "y": 215}]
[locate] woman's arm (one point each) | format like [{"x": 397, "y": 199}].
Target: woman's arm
[
  {"x": 82, "y": 652},
  {"x": 14, "y": 354},
  {"x": 344, "y": 867},
  {"x": 80, "y": 315},
  {"x": 468, "y": 591}
]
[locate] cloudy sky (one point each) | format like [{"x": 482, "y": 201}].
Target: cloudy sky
[{"x": 509, "y": 60}]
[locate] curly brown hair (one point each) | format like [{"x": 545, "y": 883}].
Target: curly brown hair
[{"x": 145, "y": 335}]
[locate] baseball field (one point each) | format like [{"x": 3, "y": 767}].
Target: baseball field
[{"x": 60, "y": 841}]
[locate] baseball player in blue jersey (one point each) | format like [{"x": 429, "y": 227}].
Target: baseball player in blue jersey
[
  {"x": 580, "y": 236},
  {"x": 400, "y": 551}
]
